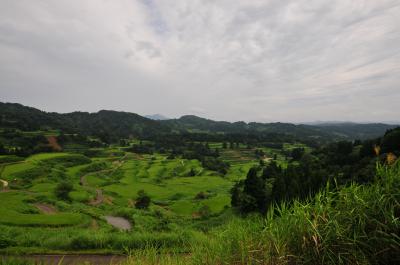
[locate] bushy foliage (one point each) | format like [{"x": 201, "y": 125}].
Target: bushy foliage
[
  {"x": 10, "y": 159},
  {"x": 215, "y": 164},
  {"x": 68, "y": 160},
  {"x": 25, "y": 177},
  {"x": 297, "y": 153},
  {"x": 93, "y": 167},
  {"x": 143, "y": 200},
  {"x": 62, "y": 190}
]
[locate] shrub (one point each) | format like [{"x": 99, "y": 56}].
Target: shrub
[
  {"x": 201, "y": 196},
  {"x": 68, "y": 160},
  {"x": 83, "y": 242},
  {"x": 62, "y": 190},
  {"x": 6, "y": 242},
  {"x": 96, "y": 166},
  {"x": 205, "y": 211},
  {"x": 143, "y": 200}
]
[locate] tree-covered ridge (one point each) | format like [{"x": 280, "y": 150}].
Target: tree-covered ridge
[
  {"x": 113, "y": 125},
  {"x": 106, "y": 124}
]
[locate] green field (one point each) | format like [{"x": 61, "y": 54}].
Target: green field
[{"x": 184, "y": 195}]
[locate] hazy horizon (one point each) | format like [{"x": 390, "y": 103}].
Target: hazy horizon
[{"x": 262, "y": 61}]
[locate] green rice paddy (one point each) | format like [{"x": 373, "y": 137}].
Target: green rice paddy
[{"x": 119, "y": 175}]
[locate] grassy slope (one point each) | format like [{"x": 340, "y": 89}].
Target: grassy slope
[
  {"x": 357, "y": 224},
  {"x": 18, "y": 212}
]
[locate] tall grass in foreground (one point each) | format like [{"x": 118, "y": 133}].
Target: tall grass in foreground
[{"x": 357, "y": 224}]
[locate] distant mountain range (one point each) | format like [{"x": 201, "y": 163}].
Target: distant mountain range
[
  {"x": 337, "y": 131},
  {"x": 125, "y": 124},
  {"x": 323, "y": 123}
]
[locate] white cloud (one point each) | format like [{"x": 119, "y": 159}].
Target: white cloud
[{"x": 233, "y": 60}]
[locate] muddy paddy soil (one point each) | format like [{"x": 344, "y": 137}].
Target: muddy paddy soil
[{"x": 69, "y": 259}]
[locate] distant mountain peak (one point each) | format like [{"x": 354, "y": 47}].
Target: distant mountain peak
[{"x": 157, "y": 117}]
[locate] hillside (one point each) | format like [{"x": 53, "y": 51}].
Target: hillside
[
  {"x": 355, "y": 130},
  {"x": 116, "y": 124},
  {"x": 105, "y": 122},
  {"x": 323, "y": 132}
]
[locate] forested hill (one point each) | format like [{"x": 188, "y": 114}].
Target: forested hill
[
  {"x": 113, "y": 123},
  {"x": 123, "y": 124},
  {"x": 355, "y": 130},
  {"x": 342, "y": 131}
]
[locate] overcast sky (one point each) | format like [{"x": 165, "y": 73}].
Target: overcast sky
[{"x": 230, "y": 60}]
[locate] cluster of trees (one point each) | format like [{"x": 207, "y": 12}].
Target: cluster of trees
[
  {"x": 216, "y": 164},
  {"x": 13, "y": 142},
  {"x": 80, "y": 139},
  {"x": 142, "y": 148},
  {"x": 272, "y": 183},
  {"x": 16, "y": 142},
  {"x": 297, "y": 153},
  {"x": 231, "y": 145},
  {"x": 341, "y": 161},
  {"x": 208, "y": 157}
]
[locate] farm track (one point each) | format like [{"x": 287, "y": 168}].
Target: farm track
[
  {"x": 4, "y": 185},
  {"x": 99, "y": 192},
  {"x": 99, "y": 198},
  {"x": 118, "y": 222},
  {"x": 46, "y": 208}
]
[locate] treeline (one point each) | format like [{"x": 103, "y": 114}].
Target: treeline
[{"x": 110, "y": 126}]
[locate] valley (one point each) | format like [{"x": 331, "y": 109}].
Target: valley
[{"x": 165, "y": 197}]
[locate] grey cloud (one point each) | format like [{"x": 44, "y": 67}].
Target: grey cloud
[
  {"x": 148, "y": 48},
  {"x": 244, "y": 60}
]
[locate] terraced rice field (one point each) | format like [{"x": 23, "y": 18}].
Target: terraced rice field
[{"x": 108, "y": 185}]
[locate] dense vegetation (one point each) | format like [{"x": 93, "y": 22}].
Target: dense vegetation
[
  {"x": 226, "y": 193},
  {"x": 112, "y": 125}
]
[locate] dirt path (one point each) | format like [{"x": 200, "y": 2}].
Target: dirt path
[
  {"x": 46, "y": 208},
  {"x": 118, "y": 222},
  {"x": 99, "y": 193},
  {"x": 70, "y": 259},
  {"x": 99, "y": 198},
  {"x": 4, "y": 185}
]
